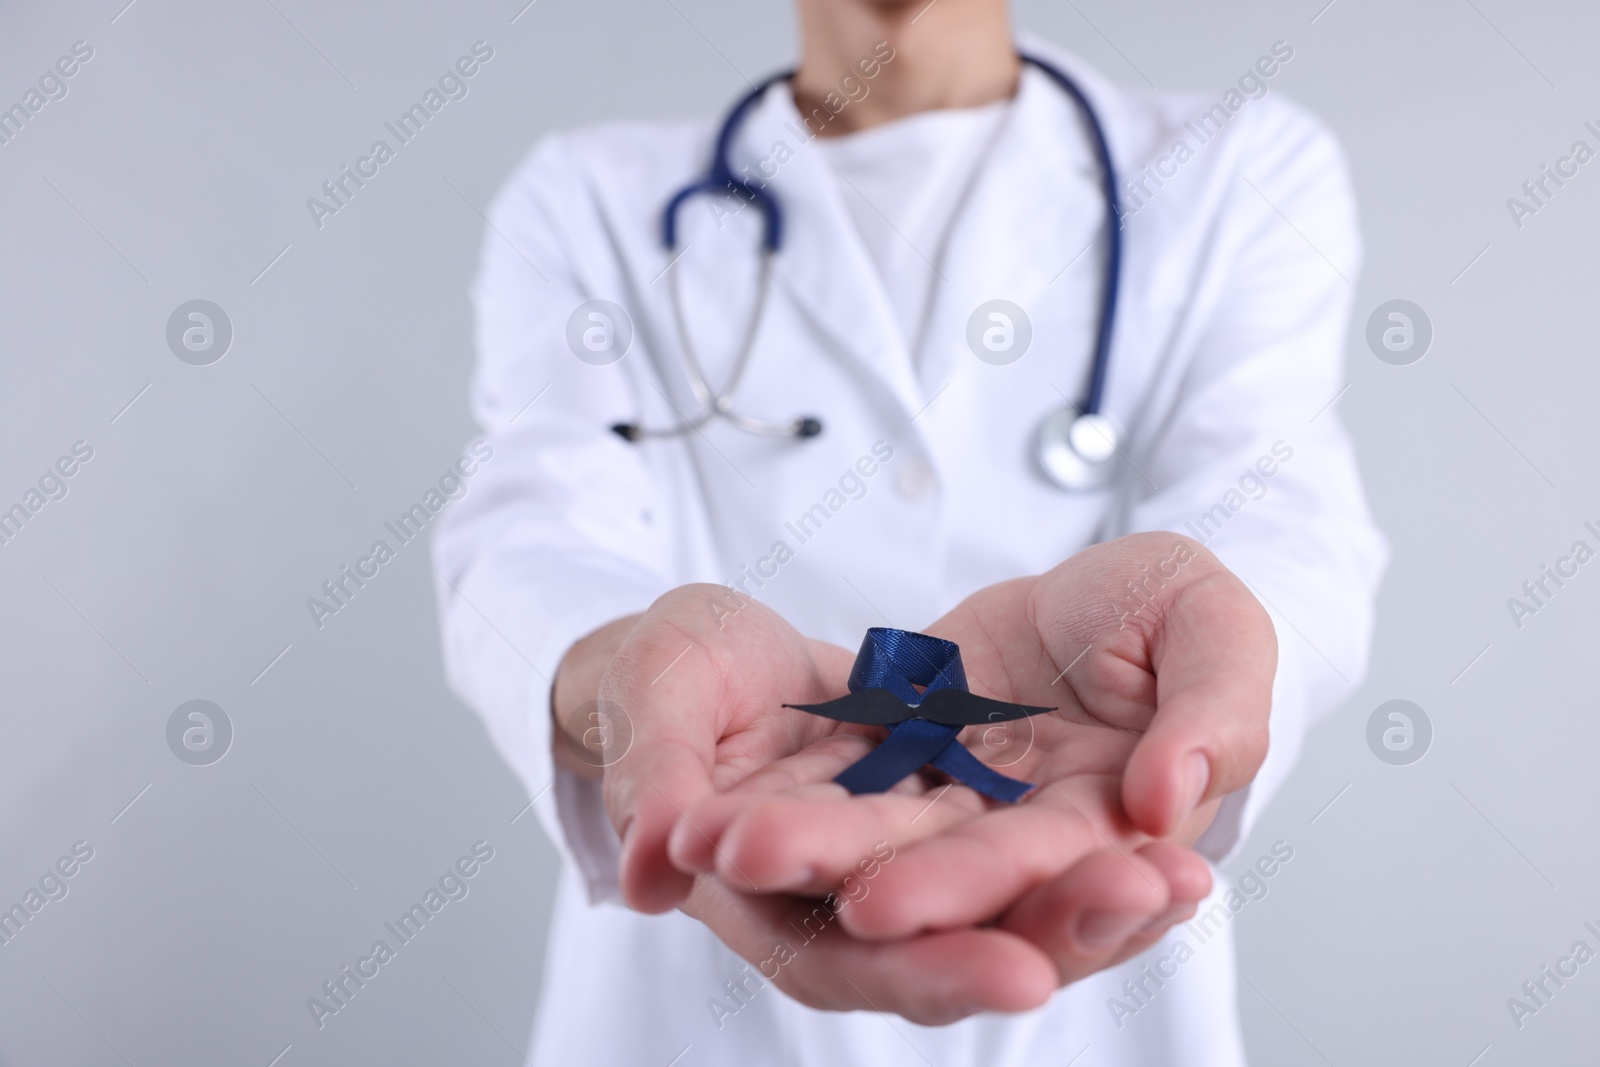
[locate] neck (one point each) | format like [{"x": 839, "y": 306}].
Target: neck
[{"x": 948, "y": 54}]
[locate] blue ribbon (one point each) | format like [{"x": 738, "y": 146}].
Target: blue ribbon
[{"x": 899, "y": 661}]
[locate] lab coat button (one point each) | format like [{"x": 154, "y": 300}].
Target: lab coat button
[{"x": 915, "y": 480}]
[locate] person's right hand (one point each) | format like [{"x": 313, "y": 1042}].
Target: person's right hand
[{"x": 695, "y": 695}]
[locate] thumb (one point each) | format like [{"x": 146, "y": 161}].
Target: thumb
[
  {"x": 1214, "y": 654},
  {"x": 658, "y": 789},
  {"x": 683, "y": 681},
  {"x": 665, "y": 691}
]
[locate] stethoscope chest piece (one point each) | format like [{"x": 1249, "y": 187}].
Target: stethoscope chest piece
[{"x": 1077, "y": 452}]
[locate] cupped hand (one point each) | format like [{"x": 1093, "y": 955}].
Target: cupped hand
[
  {"x": 692, "y": 703},
  {"x": 1159, "y": 662}
]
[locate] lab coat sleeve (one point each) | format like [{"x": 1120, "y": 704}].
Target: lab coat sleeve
[
  {"x": 1256, "y": 397},
  {"x": 554, "y": 537}
]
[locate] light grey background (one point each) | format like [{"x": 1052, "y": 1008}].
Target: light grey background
[{"x": 178, "y": 565}]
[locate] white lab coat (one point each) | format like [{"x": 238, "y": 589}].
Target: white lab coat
[{"x": 1236, "y": 287}]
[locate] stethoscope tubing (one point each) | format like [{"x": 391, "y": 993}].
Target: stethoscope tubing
[
  {"x": 1110, "y": 293},
  {"x": 720, "y": 180}
]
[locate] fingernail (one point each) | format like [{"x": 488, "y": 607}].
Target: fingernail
[
  {"x": 1175, "y": 914},
  {"x": 1103, "y": 929},
  {"x": 803, "y": 877},
  {"x": 1198, "y": 771}
]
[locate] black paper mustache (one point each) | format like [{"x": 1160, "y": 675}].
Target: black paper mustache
[{"x": 947, "y": 707}]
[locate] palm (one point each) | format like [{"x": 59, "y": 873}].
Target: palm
[
  {"x": 763, "y": 752},
  {"x": 692, "y": 704},
  {"x": 727, "y": 807},
  {"x": 1099, "y": 703},
  {"x": 1095, "y": 674},
  {"x": 788, "y": 816}
]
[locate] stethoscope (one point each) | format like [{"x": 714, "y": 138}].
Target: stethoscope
[{"x": 1075, "y": 446}]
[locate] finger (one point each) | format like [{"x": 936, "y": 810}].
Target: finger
[
  {"x": 974, "y": 870},
  {"x": 1085, "y": 919},
  {"x": 696, "y": 840},
  {"x": 669, "y": 776},
  {"x": 932, "y": 980},
  {"x": 1188, "y": 880},
  {"x": 935, "y": 979},
  {"x": 811, "y": 844},
  {"x": 791, "y": 828},
  {"x": 1214, "y": 654},
  {"x": 1187, "y": 873}
]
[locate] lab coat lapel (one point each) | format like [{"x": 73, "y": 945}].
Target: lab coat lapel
[
  {"x": 823, "y": 265},
  {"x": 1034, "y": 224}
]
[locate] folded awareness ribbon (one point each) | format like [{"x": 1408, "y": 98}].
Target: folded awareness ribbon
[{"x": 923, "y": 726}]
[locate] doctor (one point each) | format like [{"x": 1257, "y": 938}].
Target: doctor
[{"x": 843, "y": 387}]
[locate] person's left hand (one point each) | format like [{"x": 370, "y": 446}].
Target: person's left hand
[{"x": 1162, "y": 695}]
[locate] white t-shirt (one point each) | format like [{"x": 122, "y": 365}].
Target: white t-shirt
[{"x": 904, "y": 183}]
